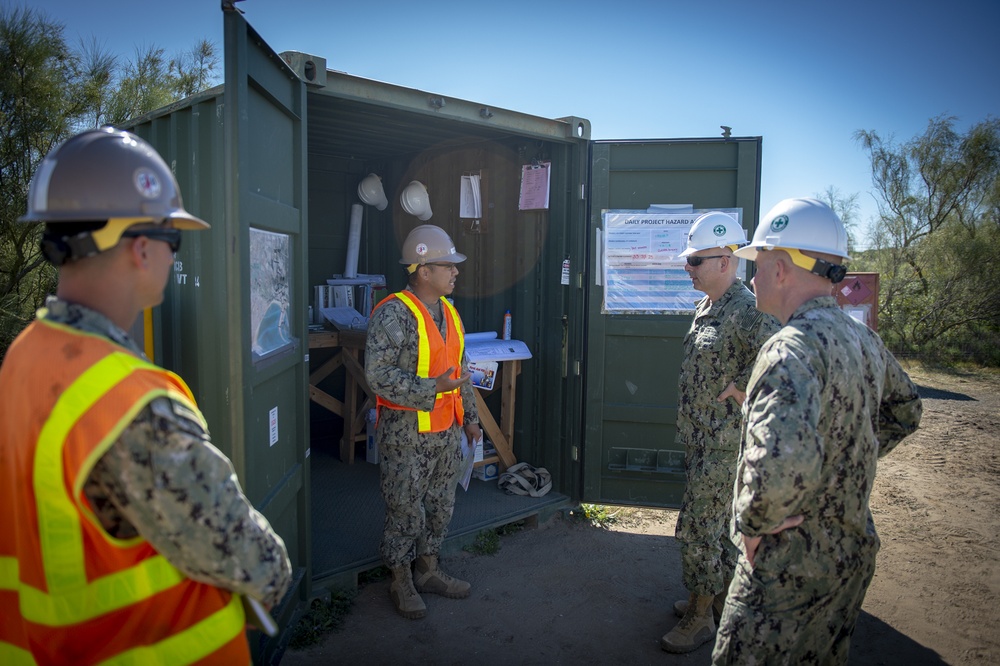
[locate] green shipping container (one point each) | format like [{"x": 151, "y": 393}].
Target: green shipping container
[{"x": 273, "y": 159}]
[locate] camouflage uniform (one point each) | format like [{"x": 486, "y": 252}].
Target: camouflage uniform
[
  {"x": 825, "y": 400},
  {"x": 719, "y": 348},
  {"x": 165, "y": 480},
  {"x": 417, "y": 470}
]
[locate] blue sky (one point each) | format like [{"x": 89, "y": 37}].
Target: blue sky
[{"x": 804, "y": 75}]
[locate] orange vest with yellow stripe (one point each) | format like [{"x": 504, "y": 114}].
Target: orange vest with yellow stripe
[
  {"x": 69, "y": 592},
  {"x": 434, "y": 356}
]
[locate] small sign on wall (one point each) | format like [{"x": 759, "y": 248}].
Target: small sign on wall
[{"x": 274, "y": 426}]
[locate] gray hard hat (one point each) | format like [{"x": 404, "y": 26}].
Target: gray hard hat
[
  {"x": 105, "y": 174},
  {"x": 427, "y": 244}
]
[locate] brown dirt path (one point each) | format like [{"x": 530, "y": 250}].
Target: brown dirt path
[{"x": 568, "y": 592}]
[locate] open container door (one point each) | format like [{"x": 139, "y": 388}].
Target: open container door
[
  {"x": 633, "y": 360},
  {"x": 233, "y": 320},
  {"x": 264, "y": 239}
]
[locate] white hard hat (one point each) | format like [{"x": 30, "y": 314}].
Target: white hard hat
[
  {"x": 801, "y": 224},
  {"x": 714, "y": 229},
  {"x": 370, "y": 192},
  {"x": 416, "y": 201}
]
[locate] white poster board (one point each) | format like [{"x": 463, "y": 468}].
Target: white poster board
[{"x": 642, "y": 273}]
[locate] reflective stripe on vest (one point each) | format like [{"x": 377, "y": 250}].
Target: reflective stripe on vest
[
  {"x": 69, "y": 597},
  {"x": 447, "y": 402}
]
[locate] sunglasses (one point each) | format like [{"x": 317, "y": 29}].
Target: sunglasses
[
  {"x": 697, "y": 261},
  {"x": 172, "y": 237},
  {"x": 440, "y": 264}
]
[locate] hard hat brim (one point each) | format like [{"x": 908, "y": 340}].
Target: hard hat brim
[
  {"x": 454, "y": 257},
  {"x": 749, "y": 252}
]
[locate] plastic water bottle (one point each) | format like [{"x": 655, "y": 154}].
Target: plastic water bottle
[{"x": 506, "y": 325}]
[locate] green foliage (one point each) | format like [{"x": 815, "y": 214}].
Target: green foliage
[
  {"x": 488, "y": 541},
  {"x": 598, "y": 515},
  {"x": 323, "y": 617},
  {"x": 42, "y": 95},
  {"x": 935, "y": 242},
  {"x": 152, "y": 80},
  {"x": 373, "y": 575},
  {"x": 49, "y": 91},
  {"x": 846, "y": 207}
]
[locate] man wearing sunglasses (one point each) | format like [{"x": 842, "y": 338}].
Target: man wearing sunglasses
[
  {"x": 825, "y": 400},
  {"x": 719, "y": 351},
  {"x": 127, "y": 532}
]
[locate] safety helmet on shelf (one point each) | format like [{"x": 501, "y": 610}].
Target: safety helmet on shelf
[
  {"x": 370, "y": 191},
  {"x": 428, "y": 243},
  {"x": 714, "y": 229},
  {"x": 802, "y": 224},
  {"x": 416, "y": 201}
]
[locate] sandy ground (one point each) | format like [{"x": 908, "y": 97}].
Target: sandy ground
[{"x": 569, "y": 592}]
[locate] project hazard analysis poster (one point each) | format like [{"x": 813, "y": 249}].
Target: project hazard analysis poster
[{"x": 642, "y": 272}]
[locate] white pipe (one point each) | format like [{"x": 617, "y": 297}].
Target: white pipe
[{"x": 354, "y": 242}]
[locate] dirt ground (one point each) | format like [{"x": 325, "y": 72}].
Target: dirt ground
[{"x": 569, "y": 592}]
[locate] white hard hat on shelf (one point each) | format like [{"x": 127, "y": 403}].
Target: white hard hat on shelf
[
  {"x": 416, "y": 201},
  {"x": 714, "y": 229},
  {"x": 370, "y": 192}
]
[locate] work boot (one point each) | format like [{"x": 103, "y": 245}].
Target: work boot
[
  {"x": 719, "y": 602},
  {"x": 407, "y": 601},
  {"x": 428, "y": 578},
  {"x": 695, "y": 628}
]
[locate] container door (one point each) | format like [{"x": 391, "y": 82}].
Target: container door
[
  {"x": 266, "y": 337},
  {"x": 633, "y": 361}
]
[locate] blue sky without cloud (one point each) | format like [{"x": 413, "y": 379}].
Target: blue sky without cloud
[{"x": 804, "y": 75}]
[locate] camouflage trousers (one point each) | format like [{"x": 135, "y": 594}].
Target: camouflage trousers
[
  {"x": 708, "y": 556},
  {"x": 790, "y": 612},
  {"x": 418, "y": 486}
]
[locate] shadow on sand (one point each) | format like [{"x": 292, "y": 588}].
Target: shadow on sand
[
  {"x": 875, "y": 642},
  {"x": 929, "y": 393}
]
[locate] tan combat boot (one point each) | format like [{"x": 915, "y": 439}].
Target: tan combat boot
[
  {"x": 681, "y": 606},
  {"x": 428, "y": 578},
  {"x": 695, "y": 629},
  {"x": 407, "y": 601}
]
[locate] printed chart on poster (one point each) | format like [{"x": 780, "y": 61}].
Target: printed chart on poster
[{"x": 642, "y": 271}]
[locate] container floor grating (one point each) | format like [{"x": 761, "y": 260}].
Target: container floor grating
[{"x": 348, "y": 512}]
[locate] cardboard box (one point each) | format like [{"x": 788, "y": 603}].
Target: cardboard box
[
  {"x": 484, "y": 449},
  {"x": 487, "y": 472}
]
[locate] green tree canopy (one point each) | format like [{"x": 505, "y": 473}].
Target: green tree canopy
[
  {"x": 49, "y": 91},
  {"x": 935, "y": 242}
]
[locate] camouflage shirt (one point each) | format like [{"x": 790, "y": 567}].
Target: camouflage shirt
[
  {"x": 719, "y": 348},
  {"x": 825, "y": 400},
  {"x": 391, "y": 360},
  {"x": 164, "y": 480}
]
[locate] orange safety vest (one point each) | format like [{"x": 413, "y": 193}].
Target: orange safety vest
[
  {"x": 69, "y": 592},
  {"x": 434, "y": 356}
]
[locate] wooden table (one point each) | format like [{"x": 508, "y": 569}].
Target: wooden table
[
  {"x": 359, "y": 397},
  {"x": 350, "y": 346}
]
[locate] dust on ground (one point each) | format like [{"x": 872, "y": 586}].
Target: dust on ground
[{"x": 571, "y": 592}]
